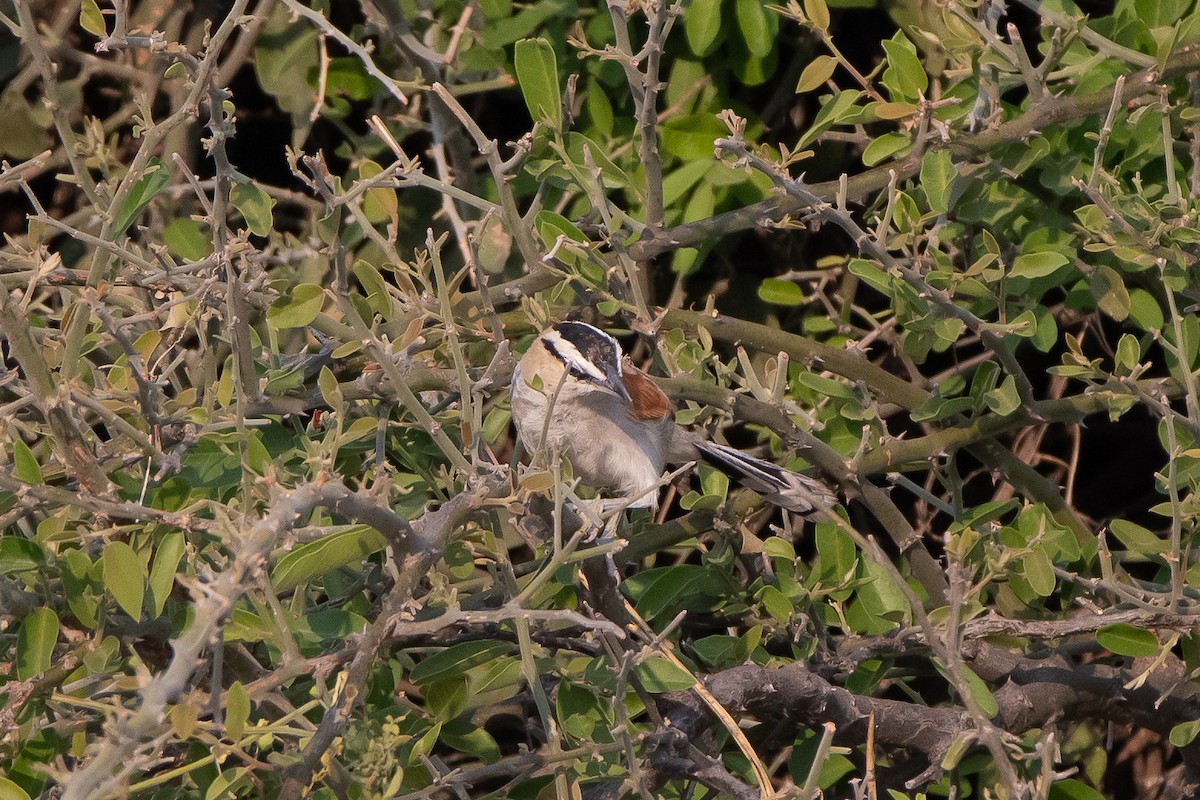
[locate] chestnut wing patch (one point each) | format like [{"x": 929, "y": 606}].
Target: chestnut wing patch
[{"x": 649, "y": 402}]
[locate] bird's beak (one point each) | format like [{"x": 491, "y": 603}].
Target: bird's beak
[{"x": 614, "y": 381}]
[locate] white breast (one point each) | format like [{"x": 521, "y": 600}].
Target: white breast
[{"x": 607, "y": 449}]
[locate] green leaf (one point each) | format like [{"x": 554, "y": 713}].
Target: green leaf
[
  {"x": 186, "y": 239},
  {"x": 91, "y": 20},
  {"x": 937, "y": 176},
  {"x": 467, "y": 738},
  {"x": 1185, "y": 733},
  {"x": 77, "y": 587},
  {"x": 255, "y": 206},
  {"x": 702, "y": 26},
  {"x": 752, "y": 23},
  {"x": 1071, "y": 789},
  {"x": 836, "y": 551},
  {"x": 8, "y": 789},
  {"x": 124, "y": 577},
  {"x": 612, "y": 176},
  {"x": 455, "y": 660},
  {"x": 691, "y": 136},
  {"x": 1144, "y": 311},
  {"x": 1004, "y": 399},
  {"x": 780, "y": 292},
  {"x": 331, "y": 391},
  {"x": 817, "y": 13},
  {"x": 1127, "y": 354},
  {"x": 162, "y": 572},
  {"x": 1138, "y": 539},
  {"x": 905, "y": 75},
  {"x": 835, "y": 109},
  {"x": 819, "y": 70},
  {"x": 1038, "y": 571},
  {"x": 1110, "y": 293},
  {"x": 35, "y": 643},
  {"x": 658, "y": 675},
  {"x": 778, "y": 547},
  {"x": 886, "y": 146},
  {"x": 550, "y": 226},
  {"x": 299, "y": 309},
  {"x": 1037, "y": 265},
  {"x": 25, "y": 464},
  {"x": 1124, "y": 639},
  {"x": 776, "y": 603},
  {"x": 153, "y": 179},
  {"x": 334, "y": 551},
  {"x": 980, "y": 691},
  {"x": 380, "y": 203},
  {"x": 600, "y": 109},
  {"x": 237, "y": 711},
  {"x": 537, "y": 75},
  {"x": 18, "y": 554},
  {"x": 663, "y": 591}
]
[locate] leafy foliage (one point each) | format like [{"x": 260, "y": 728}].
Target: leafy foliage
[{"x": 263, "y": 531}]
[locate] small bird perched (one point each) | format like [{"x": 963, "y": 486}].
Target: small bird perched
[{"x": 574, "y": 391}]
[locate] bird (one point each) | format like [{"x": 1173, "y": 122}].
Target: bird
[{"x": 574, "y": 391}]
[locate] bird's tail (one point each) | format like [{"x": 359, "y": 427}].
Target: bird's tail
[{"x": 783, "y": 487}]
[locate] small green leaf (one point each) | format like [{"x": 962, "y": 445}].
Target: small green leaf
[
  {"x": 833, "y": 111},
  {"x": 330, "y": 552},
  {"x": 1004, "y": 399},
  {"x": 380, "y": 203},
  {"x": 1039, "y": 571},
  {"x": 454, "y": 661},
  {"x": 780, "y": 292},
  {"x": 751, "y": 18},
  {"x": 331, "y": 392},
  {"x": 1127, "y": 354},
  {"x": 777, "y": 547},
  {"x": 237, "y": 711},
  {"x": 905, "y": 75},
  {"x": 1138, "y": 539},
  {"x": 1185, "y": 733},
  {"x": 1110, "y": 293},
  {"x": 35, "y": 643},
  {"x": 819, "y": 70},
  {"x": 550, "y": 226},
  {"x": 980, "y": 691},
  {"x": 1037, "y": 265},
  {"x": 891, "y": 111},
  {"x": 937, "y": 175},
  {"x": 162, "y": 572},
  {"x": 186, "y": 239},
  {"x": 77, "y": 587},
  {"x": 18, "y": 554},
  {"x": 1126, "y": 640},
  {"x": 1071, "y": 789},
  {"x": 702, "y": 26},
  {"x": 467, "y": 738},
  {"x": 776, "y": 603},
  {"x": 11, "y": 791},
  {"x": 658, "y": 675},
  {"x": 299, "y": 309},
  {"x": 25, "y": 465},
  {"x": 124, "y": 577},
  {"x": 537, "y": 75},
  {"x": 91, "y": 20},
  {"x": 255, "y": 206},
  {"x": 1144, "y": 310},
  {"x": 886, "y": 146},
  {"x": 817, "y": 13},
  {"x": 153, "y": 179}
]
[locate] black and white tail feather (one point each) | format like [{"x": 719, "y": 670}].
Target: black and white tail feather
[{"x": 783, "y": 487}]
